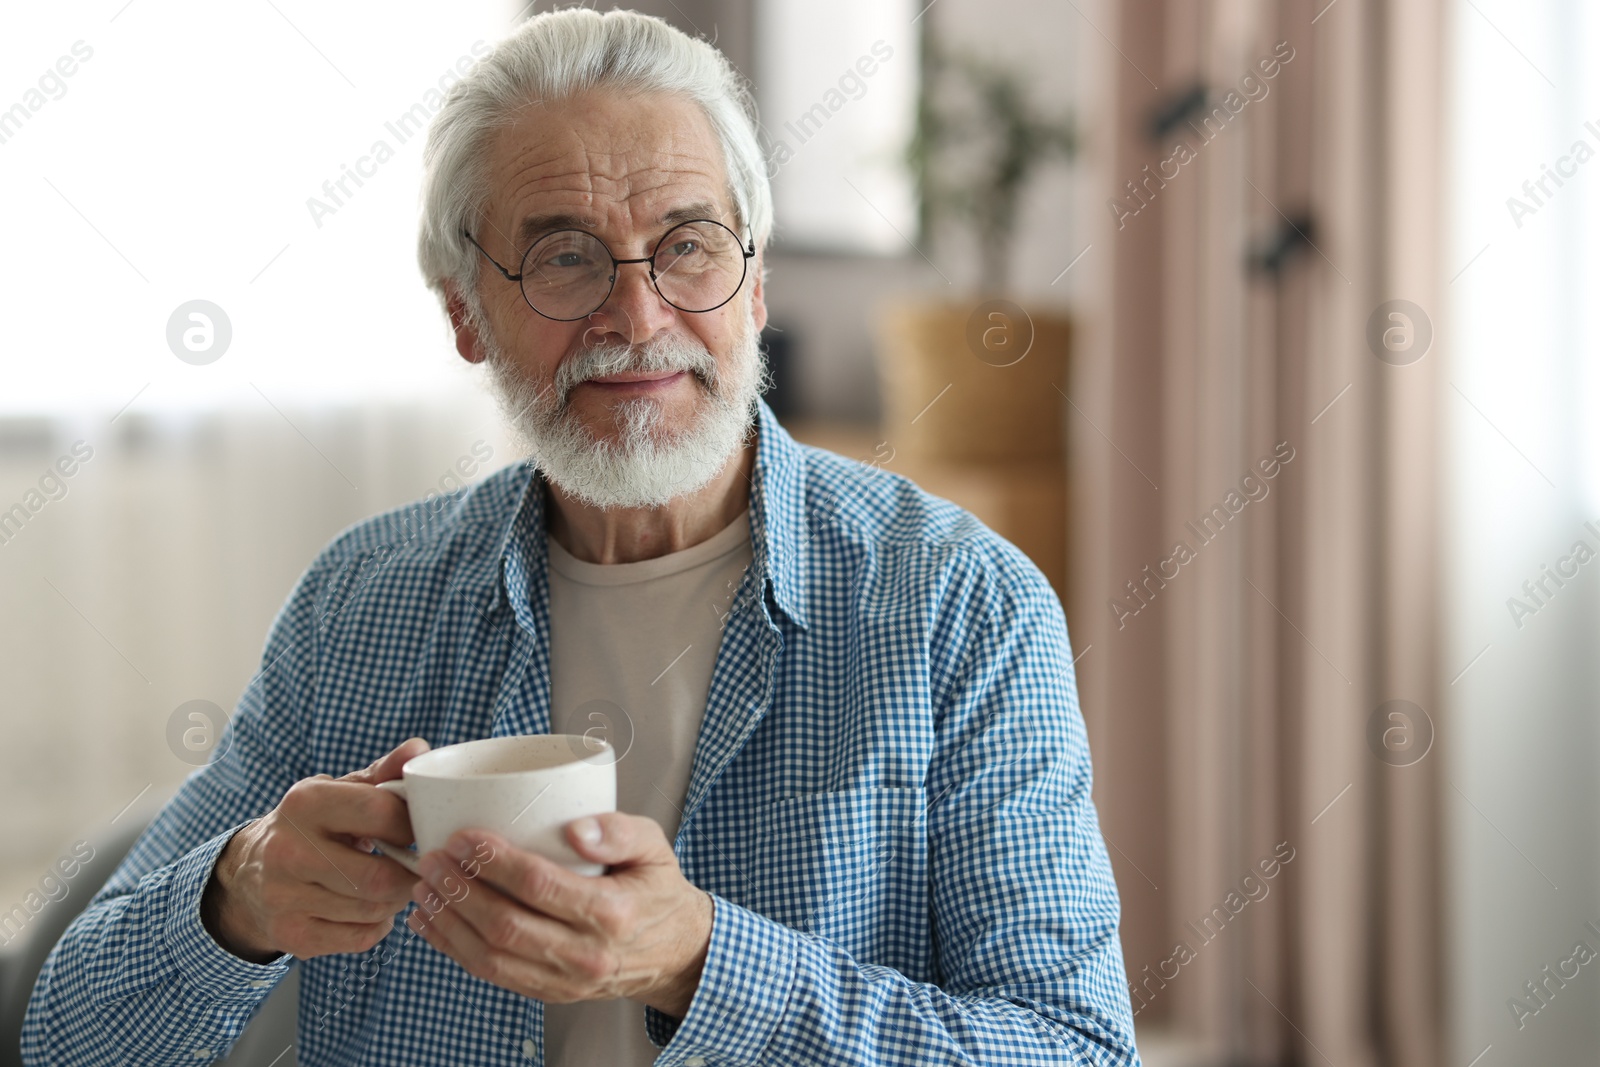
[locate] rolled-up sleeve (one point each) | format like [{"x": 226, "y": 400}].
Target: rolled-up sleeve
[{"x": 1027, "y": 963}]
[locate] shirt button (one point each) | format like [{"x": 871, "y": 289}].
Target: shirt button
[
  {"x": 202, "y": 1054},
  {"x": 529, "y": 1049},
  {"x": 258, "y": 983},
  {"x": 695, "y": 1061}
]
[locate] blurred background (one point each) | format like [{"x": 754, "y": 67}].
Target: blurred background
[{"x": 1260, "y": 327}]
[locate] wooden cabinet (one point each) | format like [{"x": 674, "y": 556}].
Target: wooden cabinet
[{"x": 1026, "y": 503}]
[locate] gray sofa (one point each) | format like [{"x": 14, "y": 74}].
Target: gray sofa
[{"x": 266, "y": 1042}]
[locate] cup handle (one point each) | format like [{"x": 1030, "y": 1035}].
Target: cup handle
[{"x": 403, "y": 856}]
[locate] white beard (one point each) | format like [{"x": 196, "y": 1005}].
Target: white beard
[{"x": 645, "y": 466}]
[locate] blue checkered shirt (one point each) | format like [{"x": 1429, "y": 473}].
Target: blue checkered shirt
[{"x": 889, "y": 801}]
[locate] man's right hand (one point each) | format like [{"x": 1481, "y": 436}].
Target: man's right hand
[{"x": 298, "y": 879}]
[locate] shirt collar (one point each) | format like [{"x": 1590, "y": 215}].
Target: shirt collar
[{"x": 777, "y": 524}]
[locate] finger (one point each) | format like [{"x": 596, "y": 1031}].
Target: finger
[
  {"x": 323, "y": 937},
  {"x": 387, "y": 767},
  {"x": 626, "y": 840},
  {"x": 520, "y": 950},
  {"x": 320, "y": 903},
  {"x": 343, "y": 870},
  {"x": 501, "y": 920},
  {"x": 533, "y": 880},
  {"x": 351, "y": 809}
]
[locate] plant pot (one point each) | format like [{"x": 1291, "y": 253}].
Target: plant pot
[{"x": 980, "y": 380}]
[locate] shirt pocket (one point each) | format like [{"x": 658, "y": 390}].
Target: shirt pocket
[{"x": 852, "y": 866}]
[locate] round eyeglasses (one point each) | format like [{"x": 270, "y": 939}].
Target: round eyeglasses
[{"x": 568, "y": 275}]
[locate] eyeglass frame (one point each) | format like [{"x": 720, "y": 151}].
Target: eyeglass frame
[{"x": 746, "y": 252}]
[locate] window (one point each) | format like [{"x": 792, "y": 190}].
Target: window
[
  {"x": 836, "y": 84},
  {"x": 262, "y": 157}
]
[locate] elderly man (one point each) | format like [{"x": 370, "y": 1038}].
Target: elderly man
[{"x": 854, "y": 821}]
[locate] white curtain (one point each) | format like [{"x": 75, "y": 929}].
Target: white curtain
[
  {"x": 148, "y": 578},
  {"x": 1521, "y": 798}
]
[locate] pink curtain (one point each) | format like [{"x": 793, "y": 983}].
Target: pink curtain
[{"x": 1256, "y": 508}]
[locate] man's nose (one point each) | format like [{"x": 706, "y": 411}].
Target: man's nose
[{"x": 635, "y": 311}]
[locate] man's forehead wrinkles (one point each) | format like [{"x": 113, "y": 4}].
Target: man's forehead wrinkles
[
  {"x": 544, "y": 158},
  {"x": 604, "y": 172},
  {"x": 643, "y": 193},
  {"x": 617, "y": 166},
  {"x": 637, "y": 191},
  {"x": 562, "y": 133},
  {"x": 639, "y": 180},
  {"x": 613, "y": 220}
]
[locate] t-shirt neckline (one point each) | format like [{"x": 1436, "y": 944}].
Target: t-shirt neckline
[{"x": 717, "y": 545}]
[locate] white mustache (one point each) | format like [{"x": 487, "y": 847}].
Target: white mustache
[{"x": 665, "y": 355}]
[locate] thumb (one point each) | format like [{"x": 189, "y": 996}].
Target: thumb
[
  {"x": 623, "y": 839},
  {"x": 387, "y": 767}
]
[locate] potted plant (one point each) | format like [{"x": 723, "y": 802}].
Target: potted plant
[{"x": 970, "y": 379}]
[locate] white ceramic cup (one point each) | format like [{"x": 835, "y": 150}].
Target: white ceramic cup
[{"x": 525, "y": 789}]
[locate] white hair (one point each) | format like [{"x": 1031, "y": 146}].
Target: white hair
[{"x": 553, "y": 56}]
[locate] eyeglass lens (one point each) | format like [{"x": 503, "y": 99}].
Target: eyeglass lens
[{"x": 568, "y": 274}]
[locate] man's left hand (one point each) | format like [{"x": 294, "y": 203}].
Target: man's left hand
[{"x": 527, "y": 924}]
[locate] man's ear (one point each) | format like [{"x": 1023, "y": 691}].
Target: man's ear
[
  {"x": 467, "y": 342},
  {"x": 758, "y": 299}
]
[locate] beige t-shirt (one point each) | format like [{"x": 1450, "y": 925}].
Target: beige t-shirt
[{"x": 632, "y": 648}]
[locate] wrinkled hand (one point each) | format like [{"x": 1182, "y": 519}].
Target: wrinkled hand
[
  {"x": 527, "y": 924},
  {"x": 301, "y": 879}
]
